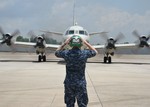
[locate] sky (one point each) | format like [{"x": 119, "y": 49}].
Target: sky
[{"x": 113, "y": 16}]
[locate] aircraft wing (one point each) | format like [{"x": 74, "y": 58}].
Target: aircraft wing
[
  {"x": 130, "y": 45},
  {"x": 99, "y": 46},
  {"x": 119, "y": 46},
  {"x": 25, "y": 44},
  {"x": 97, "y": 33},
  {"x": 29, "y": 44},
  {"x": 53, "y": 33},
  {"x": 1, "y": 41},
  {"x": 52, "y": 46}
]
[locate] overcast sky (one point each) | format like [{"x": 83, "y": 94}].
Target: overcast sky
[{"x": 113, "y": 16}]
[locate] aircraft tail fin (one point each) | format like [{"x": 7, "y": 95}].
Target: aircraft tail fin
[{"x": 74, "y": 5}]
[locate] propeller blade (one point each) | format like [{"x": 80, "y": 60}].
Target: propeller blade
[
  {"x": 4, "y": 41},
  {"x": 148, "y": 37},
  {"x": 104, "y": 36},
  {"x": 13, "y": 49},
  {"x": 136, "y": 34},
  {"x": 15, "y": 33},
  {"x": 32, "y": 34},
  {"x": 1, "y": 31},
  {"x": 119, "y": 37},
  {"x": 137, "y": 42}
]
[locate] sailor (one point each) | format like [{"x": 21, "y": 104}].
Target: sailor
[{"x": 75, "y": 81}]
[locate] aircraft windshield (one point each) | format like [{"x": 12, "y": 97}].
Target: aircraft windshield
[
  {"x": 71, "y": 32},
  {"x": 82, "y": 32}
]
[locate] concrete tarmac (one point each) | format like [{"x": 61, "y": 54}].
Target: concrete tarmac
[{"x": 24, "y": 82}]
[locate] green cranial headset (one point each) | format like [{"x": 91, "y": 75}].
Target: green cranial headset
[{"x": 75, "y": 41}]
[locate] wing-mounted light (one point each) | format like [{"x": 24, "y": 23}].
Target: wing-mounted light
[
  {"x": 142, "y": 39},
  {"x": 8, "y": 38}
]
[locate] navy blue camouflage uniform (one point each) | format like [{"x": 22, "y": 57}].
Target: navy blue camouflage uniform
[{"x": 75, "y": 82}]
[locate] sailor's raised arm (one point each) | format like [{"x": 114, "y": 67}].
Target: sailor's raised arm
[
  {"x": 89, "y": 45},
  {"x": 64, "y": 44}
]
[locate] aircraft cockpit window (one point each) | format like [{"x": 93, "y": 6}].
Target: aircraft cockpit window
[
  {"x": 71, "y": 32},
  {"x": 81, "y": 32}
]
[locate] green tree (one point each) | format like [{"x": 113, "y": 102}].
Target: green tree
[{"x": 21, "y": 39}]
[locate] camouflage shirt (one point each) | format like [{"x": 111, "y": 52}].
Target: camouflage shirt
[{"x": 75, "y": 64}]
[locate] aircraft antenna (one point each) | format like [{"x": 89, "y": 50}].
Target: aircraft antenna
[{"x": 74, "y": 5}]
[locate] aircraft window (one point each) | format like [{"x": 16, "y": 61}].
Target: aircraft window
[
  {"x": 71, "y": 32},
  {"x": 81, "y": 32}
]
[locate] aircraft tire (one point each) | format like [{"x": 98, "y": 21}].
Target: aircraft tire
[
  {"x": 44, "y": 58},
  {"x": 105, "y": 59},
  {"x": 109, "y": 59},
  {"x": 39, "y": 58}
]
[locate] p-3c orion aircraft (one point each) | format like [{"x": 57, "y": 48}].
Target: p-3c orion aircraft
[{"x": 76, "y": 30}]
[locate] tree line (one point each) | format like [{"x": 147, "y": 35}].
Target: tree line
[{"x": 33, "y": 40}]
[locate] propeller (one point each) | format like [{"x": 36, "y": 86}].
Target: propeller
[
  {"x": 2, "y": 32},
  {"x": 7, "y": 38},
  {"x": 110, "y": 41},
  {"x": 39, "y": 40},
  {"x": 142, "y": 39},
  {"x": 119, "y": 37},
  {"x": 35, "y": 37},
  {"x": 32, "y": 36}
]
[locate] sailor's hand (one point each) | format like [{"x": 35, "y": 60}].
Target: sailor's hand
[{"x": 67, "y": 40}]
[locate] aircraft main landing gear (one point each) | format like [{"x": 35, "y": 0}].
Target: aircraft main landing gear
[
  {"x": 42, "y": 57},
  {"x": 107, "y": 59}
]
